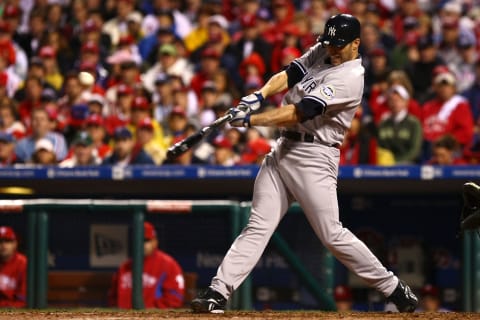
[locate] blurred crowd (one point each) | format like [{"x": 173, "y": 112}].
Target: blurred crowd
[{"x": 90, "y": 82}]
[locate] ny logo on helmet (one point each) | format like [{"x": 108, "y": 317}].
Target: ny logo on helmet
[{"x": 331, "y": 31}]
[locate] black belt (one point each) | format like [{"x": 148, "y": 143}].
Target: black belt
[{"x": 306, "y": 137}]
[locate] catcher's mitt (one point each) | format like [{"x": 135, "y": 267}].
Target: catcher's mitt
[{"x": 470, "y": 218}]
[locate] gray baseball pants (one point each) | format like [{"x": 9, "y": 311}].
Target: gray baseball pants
[{"x": 305, "y": 172}]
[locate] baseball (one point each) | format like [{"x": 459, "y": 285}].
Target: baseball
[{"x": 86, "y": 78}]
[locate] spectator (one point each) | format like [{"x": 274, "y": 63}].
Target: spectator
[
  {"x": 97, "y": 131},
  {"x": 209, "y": 67},
  {"x": 184, "y": 96},
  {"x": 163, "y": 282},
  {"x": 421, "y": 72},
  {"x": 371, "y": 40},
  {"x": 448, "y": 49},
  {"x": 162, "y": 98},
  {"x": 430, "y": 300},
  {"x": 146, "y": 140},
  {"x": 134, "y": 25},
  {"x": 90, "y": 53},
  {"x": 13, "y": 271},
  {"x": 170, "y": 63},
  {"x": 84, "y": 152},
  {"x": 121, "y": 110},
  {"x": 52, "y": 75},
  {"x": 40, "y": 130},
  {"x": 124, "y": 150},
  {"x": 464, "y": 70},
  {"x": 405, "y": 49},
  {"x": 127, "y": 42},
  {"x": 236, "y": 138},
  {"x": 43, "y": 153},
  {"x": 11, "y": 15},
  {"x": 127, "y": 73},
  {"x": 177, "y": 122},
  {"x": 405, "y": 9},
  {"x": 73, "y": 95},
  {"x": 208, "y": 99},
  {"x": 400, "y": 133},
  {"x": 343, "y": 298},
  {"x": 448, "y": 112},
  {"x": 33, "y": 94},
  {"x": 446, "y": 151},
  {"x": 36, "y": 69},
  {"x": 9, "y": 123},
  {"x": 7, "y": 150},
  {"x": 252, "y": 42},
  {"x": 151, "y": 22},
  {"x": 282, "y": 13},
  {"x": 199, "y": 35},
  {"x": 36, "y": 33},
  {"x": 255, "y": 151},
  {"x": 118, "y": 25},
  {"x": 472, "y": 94},
  {"x": 359, "y": 145},
  {"x": 149, "y": 46},
  {"x": 223, "y": 154},
  {"x": 91, "y": 32},
  {"x": 291, "y": 39},
  {"x": 377, "y": 68},
  {"x": 96, "y": 104},
  {"x": 217, "y": 36},
  {"x": 3, "y": 86},
  {"x": 8, "y": 58},
  {"x": 378, "y": 97},
  {"x": 66, "y": 52},
  {"x": 142, "y": 109}
]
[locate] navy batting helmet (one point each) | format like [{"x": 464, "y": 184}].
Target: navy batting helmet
[{"x": 340, "y": 30}]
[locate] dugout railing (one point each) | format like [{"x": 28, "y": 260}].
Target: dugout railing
[{"x": 38, "y": 213}]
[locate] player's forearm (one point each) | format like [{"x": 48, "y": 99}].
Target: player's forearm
[
  {"x": 277, "y": 83},
  {"x": 280, "y": 117}
]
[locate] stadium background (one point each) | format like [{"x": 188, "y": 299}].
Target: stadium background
[{"x": 407, "y": 217}]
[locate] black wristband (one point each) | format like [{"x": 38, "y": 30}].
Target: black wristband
[{"x": 246, "y": 121}]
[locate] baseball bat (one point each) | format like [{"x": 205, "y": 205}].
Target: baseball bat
[{"x": 184, "y": 145}]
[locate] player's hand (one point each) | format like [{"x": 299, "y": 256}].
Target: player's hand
[
  {"x": 241, "y": 118},
  {"x": 251, "y": 102}
]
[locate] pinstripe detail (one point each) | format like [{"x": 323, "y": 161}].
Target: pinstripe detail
[
  {"x": 300, "y": 66},
  {"x": 316, "y": 99}
]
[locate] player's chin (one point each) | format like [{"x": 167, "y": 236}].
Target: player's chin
[{"x": 336, "y": 60}]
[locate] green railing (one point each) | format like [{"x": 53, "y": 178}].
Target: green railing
[
  {"x": 471, "y": 271},
  {"x": 38, "y": 212}
]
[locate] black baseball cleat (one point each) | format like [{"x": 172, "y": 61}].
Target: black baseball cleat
[
  {"x": 209, "y": 301},
  {"x": 403, "y": 298}
]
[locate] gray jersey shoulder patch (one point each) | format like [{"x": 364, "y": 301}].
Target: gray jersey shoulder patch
[{"x": 327, "y": 91}]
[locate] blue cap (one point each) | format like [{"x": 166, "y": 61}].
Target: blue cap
[
  {"x": 122, "y": 133},
  {"x": 79, "y": 111},
  {"x": 7, "y": 137}
]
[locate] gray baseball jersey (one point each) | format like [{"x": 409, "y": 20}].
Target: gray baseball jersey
[
  {"x": 339, "y": 88},
  {"x": 306, "y": 172}
]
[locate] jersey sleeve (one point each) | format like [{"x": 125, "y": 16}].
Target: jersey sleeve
[
  {"x": 297, "y": 69},
  {"x": 324, "y": 98},
  {"x": 170, "y": 287}
]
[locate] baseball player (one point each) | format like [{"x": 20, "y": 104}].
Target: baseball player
[
  {"x": 325, "y": 87},
  {"x": 163, "y": 285},
  {"x": 13, "y": 271}
]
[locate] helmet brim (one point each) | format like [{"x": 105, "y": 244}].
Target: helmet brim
[{"x": 328, "y": 41}]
